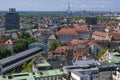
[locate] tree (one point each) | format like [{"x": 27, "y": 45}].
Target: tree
[
  {"x": 24, "y": 40},
  {"x": 24, "y": 35},
  {"x": 54, "y": 45},
  {"x": 21, "y": 46},
  {"x": 24, "y": 65},
  {"x": 29, "y": 67},
  {"x": 35, "y": 26},
  {"x": 32, "y": 40},
  {"x": 101, "y": 53},
  {"x": 5, "y": 52}
]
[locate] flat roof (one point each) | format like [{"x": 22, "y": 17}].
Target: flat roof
[
  {"x": 59, "y": 62},
  {"x": 114, "y": 57},
  {"x": 107, "y": 65},
  {"x": 18, "y": 55},
  {"x": 89, "y": 69},
  {"x": 39, "y": 74},
  {"x": 49, "y": 73},
  {"x": 85, "y": 62},
  {"x": 19, "y": 76},
  {"x": 81, "y": 68},
  {"x": 43, "y": 64},
  {"x": 18, "y": 63}
]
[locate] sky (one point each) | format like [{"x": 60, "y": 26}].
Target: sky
[{"x": 60, "y": 5}]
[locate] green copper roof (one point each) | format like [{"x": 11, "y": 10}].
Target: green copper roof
[
  {"x": 55, "y": 72},
  {"x": 19, "y": 76},
  {"x": 114, "y": 57},
  {"x": 39, "y": 74}
]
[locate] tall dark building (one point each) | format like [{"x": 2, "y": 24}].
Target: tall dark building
[
  {"x": 91, "y": 20},
  {"x": 12, "y": 19}
]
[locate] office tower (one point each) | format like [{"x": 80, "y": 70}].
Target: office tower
[
  {"x": 91, "y": 20},
  {"x": 12, "y": 19}
]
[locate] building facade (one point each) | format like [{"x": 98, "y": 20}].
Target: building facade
[
  {"x": 91, "y": 20},
  {"x": 12, "y": 19}
]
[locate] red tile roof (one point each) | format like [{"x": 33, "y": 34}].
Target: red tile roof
[
  {"x": 67, "y": 31},
  {"x": 63, "y": 49},
  {"x": 109, "y": 27},
  {"x": 11, "y": 41},
  {"x": 98, "y": 33},
  {"x": 2, "y": 44},
  {"x": 2, "y": 40},
  {"x": 75, "y": 41},
  {"x": 116, "y": 35},
  {"x": 81, "y": 28},
  {"x": 81, "y": 54},
  {"x": 117, "y": 30}
]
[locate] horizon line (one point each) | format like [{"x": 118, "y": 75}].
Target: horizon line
[{"x": 62, "y": 11}]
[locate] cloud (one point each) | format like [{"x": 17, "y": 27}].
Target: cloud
[
  {"x": 93, "y": 1},
  {"x": 60, "y": 4},
  {"x": 89, "y": 6}
]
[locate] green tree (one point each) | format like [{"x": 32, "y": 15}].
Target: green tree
[
  {"x": 29, "y": 67},
  {"x": 24, "y": 65},
  {"x": 35, "y": 26},
  {"x": 24, "y": 35},
  {"x": 101, "y": 53},
  {"x": 32, "y": 40},
  {"x": 29, "y": 27},
  {"x": 24, "y": 40},
  {"x": 5, "y": 52},
  {"x": 54, "y": 45},
  {"x": 21, "y": 46}
]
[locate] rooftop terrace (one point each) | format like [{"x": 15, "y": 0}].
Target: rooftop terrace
[
  {"x": 19, "y": 76},
  {"x": 114, "y": 57},
  {"x": 36, "y": 75},
  {"x": 41, "y": 63}
]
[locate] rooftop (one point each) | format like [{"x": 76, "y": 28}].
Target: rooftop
[
  {"x": 81, "y": 28},
  {"x": 75, "y": 41},
  {"x": 41, "y": 63},
  {"x": 48, "y": 73},
  {"x": 115, "y": 57},
  {"x": 99, "y": 33},
  {"x": 86, "y": 62},
  {"x": 115, "y": 35},
  {"x": 107, "y": 65},
  {"x": 19, "y": 76},
  {"x": 18, "y": 55},
  {"x": 81, "y": 68},
  {"x": 52, "y": 37},
  {"x": 63, "y": 49},
  {"x": 31, "y": 76},
  {"x": 59, "y": 62},
  {"x": 67, "y": 31}
]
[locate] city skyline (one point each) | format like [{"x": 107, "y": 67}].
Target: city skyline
[{"x": 60, "y": 5}]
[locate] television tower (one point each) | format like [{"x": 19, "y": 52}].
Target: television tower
[{"x": 68, "y": 11}]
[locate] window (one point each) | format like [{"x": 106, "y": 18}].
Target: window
[
  {"x": 51, "y": 78},
  {"x": 59, "y": 78}
]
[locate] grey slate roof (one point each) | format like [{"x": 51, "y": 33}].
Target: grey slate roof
[{"x": 18, "y": 55}]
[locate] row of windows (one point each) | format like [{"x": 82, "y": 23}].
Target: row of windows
[{"x": 50, "y": 78}]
